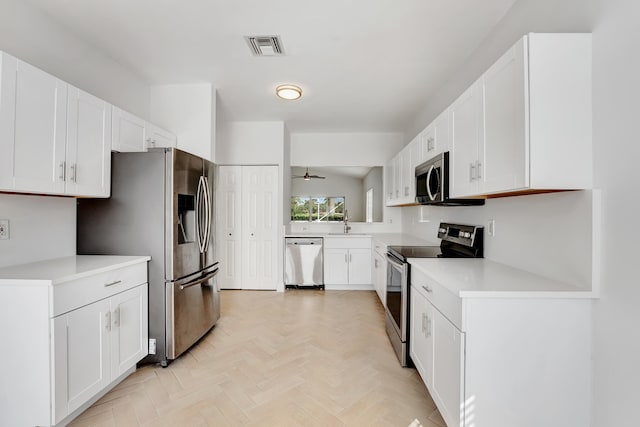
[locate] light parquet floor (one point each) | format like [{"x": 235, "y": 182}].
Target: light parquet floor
[{"x": 298, "y": 358}]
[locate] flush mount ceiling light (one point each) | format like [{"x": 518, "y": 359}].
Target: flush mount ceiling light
[{"x": 289, "y": 92}]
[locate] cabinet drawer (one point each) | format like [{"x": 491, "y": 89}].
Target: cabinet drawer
[
  {"x": 347, "y": 242},
  {"x": 444, "y": 300},
  {"x": 77, "y": 293}
]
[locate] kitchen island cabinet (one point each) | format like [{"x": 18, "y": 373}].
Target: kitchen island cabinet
[
  {"x": 500, "y": 347},
  {"x": 82, "y": 329}
]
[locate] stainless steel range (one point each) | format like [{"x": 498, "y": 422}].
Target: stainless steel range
[{"x": 457, "y": 241}]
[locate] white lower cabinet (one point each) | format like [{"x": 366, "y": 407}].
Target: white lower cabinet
[
  {"x": 499, "y": 361},
  {"x": 80, "y": 336},
  {"x": 347, "y": 262},
  {"x": 436, "y": 347},
  {"x": 99, "y": 342},
  {"x": 380, "y": 276}
]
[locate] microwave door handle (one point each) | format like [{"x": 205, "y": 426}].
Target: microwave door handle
[{"x": 431, "y": 196}]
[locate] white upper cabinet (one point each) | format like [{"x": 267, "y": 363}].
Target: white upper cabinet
[
  {"x": 435, "y": 138},
  {"x": 88, "y": 145},
  {"x": 55, "y": 138},
  {"x": 37, "y": 103},
  {"x": 158, "y": 137},
  {"x": 525, "y": 120},
  {"x": 466, "y": 131},
  {"x": 129, "y": 132},
  {"x": 401, "y": 176}
]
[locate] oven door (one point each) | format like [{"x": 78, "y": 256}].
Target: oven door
[{"x": 397, "y": 295}]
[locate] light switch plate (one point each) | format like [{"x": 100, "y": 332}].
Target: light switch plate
[
  {"x": 4, "y": 229},
  {"x": 491, "y": 227}
]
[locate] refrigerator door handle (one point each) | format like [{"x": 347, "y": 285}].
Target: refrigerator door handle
[
  {"x": 208, "y": 216},
  {"x": 199, "y": 214},
  {"x": 200, "y": 281}
]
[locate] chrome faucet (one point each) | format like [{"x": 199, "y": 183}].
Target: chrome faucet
[{"x": 347, "y": 227}]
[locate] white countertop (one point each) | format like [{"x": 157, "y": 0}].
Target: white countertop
[
  {"x": 60, "y": 270},
  {"x": 482, "y": 278}
]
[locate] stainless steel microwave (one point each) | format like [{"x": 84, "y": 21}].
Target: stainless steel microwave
[{"x": 432, "y": 184}]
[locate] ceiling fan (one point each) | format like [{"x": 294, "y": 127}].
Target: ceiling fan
[{"x": 307, "y": 177}]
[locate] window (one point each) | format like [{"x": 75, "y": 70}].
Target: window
[{"x": 317, "y": 209}]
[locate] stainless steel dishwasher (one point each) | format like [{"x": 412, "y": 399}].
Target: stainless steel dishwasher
[{"x": 303, "y": 264}]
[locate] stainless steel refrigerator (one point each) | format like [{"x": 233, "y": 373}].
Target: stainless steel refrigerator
[{"x": 161, "y": 205}]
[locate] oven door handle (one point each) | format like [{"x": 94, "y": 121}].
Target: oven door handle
[{"x": 393, "y": 261}]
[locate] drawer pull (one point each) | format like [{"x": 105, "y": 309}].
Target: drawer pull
[
  {"x": 112, "y": 283},
  {"x": 426, "y": 288}
]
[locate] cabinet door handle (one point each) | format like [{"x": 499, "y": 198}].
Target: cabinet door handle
[
  {"x": 424, "y": 322},
  {"x": 345, "y": 258},
  {"x": 74, "y": 172},
  {"x": 107, "y": 325},
  {"x": 350, "y": 258},
  {"x": 116, "y": 317},
  {"x": 63, "y": 170},
  {"x": 471, "y": 172},
  {"x": 428, "y": 334},
  {"x": 427, "y": 288},
  {"x": 478, "y": 168},
  {"x": 375, "y": 263},
  {"x": 112, "y": 283}
]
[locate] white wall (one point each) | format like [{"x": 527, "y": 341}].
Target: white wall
[
  {"x": 189, "y": 111},
  {"x": 374, "y": 180},
  {"x": 547, "y": 234},
  {"x": 616, "y": 89},
  {"x": 35, "y": 38},
  {"x": 250, "y": 143},
  {"x": 344, "y": 149},
  {"x": 40, "y": 228}
]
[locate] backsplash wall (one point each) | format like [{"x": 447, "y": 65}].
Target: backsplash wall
[
  {"x": 547, "y": 234},
  {"x": 41, "y": 227}
]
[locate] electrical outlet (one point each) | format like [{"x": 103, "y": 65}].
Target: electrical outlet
[
  {"x": 4, "y": 229},
  {"x": 152, "y": 346},
  {"x": 491, "y": 227}
]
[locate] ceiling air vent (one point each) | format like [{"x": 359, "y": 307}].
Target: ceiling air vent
[{"x": 265, "y": 45}]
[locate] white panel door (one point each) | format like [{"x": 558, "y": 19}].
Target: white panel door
[
  {"x": 129, "y": 336},
  {"x": 128, "y": 132},
  {"x": 441, "y": 134},
  {"x": 380, "y": 277},
  {"x": 360, "y": 266},
  {"x": 421, "y": 341},
  {"x": 85, "y": 337},
  {"x": 8, "y": 69},
  {"x": 505, "y": 164},
  {"x": 88, "y": 145},
  {"x": 448, "y": 368},
  {"x": 158, "y": 137},
  {"x": 336, "y": 266},
  {"x": 229, "y": 226},
  {"x": 466, "y": 113},
  {"x": 40, "y": 131},
  {"x": 259, "y": 227}
]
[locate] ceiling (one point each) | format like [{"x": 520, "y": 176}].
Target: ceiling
[{"x": 364, "y": 65}]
